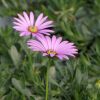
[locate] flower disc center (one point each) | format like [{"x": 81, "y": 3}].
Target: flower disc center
[
  {"x": 51, "y": 52},
  {"x": 33, "y": 29}
]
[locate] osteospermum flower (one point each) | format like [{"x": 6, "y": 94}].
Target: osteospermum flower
[
  {"x": 27, "y": 25},
  {"x": 53, "y": 47}
]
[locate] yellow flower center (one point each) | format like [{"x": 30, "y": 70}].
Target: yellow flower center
[
  {"x": 33, "y": 29},
  {"x": 51, "y": 52}
]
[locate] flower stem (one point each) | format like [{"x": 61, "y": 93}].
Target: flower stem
[
  {"x": 47, "y": 85},
  {"x": 47, "y": 80}
]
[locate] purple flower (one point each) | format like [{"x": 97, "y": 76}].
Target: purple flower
[
  {"x": 53, "y": 47},
  {"x": 27, "y": 25}
]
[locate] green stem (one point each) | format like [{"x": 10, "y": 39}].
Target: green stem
[
  {"x": 47, "y": 81},
  {"x": 47, "y": 90}
]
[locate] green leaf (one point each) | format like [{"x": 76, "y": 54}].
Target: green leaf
[
  {"x": 17, "y": 84},
  {"x": 15, "y": 56},
  {"x": 78, "y": 76}
]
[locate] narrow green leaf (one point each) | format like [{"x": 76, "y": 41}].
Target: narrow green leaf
[{"x": 15, "y": 56}]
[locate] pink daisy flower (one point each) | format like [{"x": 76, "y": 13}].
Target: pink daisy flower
[
  {"x": 53, "y": 47},
  {"x": 27, "y": 25}
]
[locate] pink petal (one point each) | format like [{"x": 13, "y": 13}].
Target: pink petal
[
  {"x": 41, "y": 33},
  {"x": 53, "y": 42},
  {"x": 31, "y": 18},
  {"x": 16, "y": 23},
  {"x": 43, "y": 40},
  {"x": 38, "y": 21},
  {"x": 57, "y": 43},
  {"x": 48, "y": 42},
  {"x": 43, "y": 27},
  {"x": 60, "y": 57},
  {"x": 19, "y": 21},
  {"x": 35, "y": 48},
  {"x": 46, "y": 24},
  {"x": 66, "y": 57},
  {"x": 18, "y": 28},
  {"x": 46, "y": 30},
  {"x": 43, "y": 20},
  {"x": 26, "y": 18},
  {"x": 19, "y": 24},
  {"x": 45, "y": 54},
  {"x": 52, "y": 55},
  {"x": 62, "y": 45},
  {"x": 22, "y": 18},
  {"x": 28, "y": 33},
  {"x": 22, "y": 34},
  {"x": 25, "y": 33},
  {"x": 66, "y": 50},
  {"x": 35, "y": 43}
]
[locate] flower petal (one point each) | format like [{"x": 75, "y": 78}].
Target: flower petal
[
  {"x": 46, "y": 25},
  {"x": 35, "y": 43},
  {"x": 38, "y": 21},
  {"x": 22, "y": 18},
  {"x": 48, "y": 42},
  {"x": 57, "y": 43},
  {"x": 26, "y": 18},
  {"x": 31, "y": 18},
  {"x": 53, "y": 42},
  {"x": 46, "y": 30},
  {"x": 43, "y": 40},
  {"x": 45, "y": 54}
]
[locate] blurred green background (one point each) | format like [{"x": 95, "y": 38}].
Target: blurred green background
[{"x": 22, "y": 72}]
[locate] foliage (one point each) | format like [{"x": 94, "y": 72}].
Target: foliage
[{"x": 22, "y": 72}]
